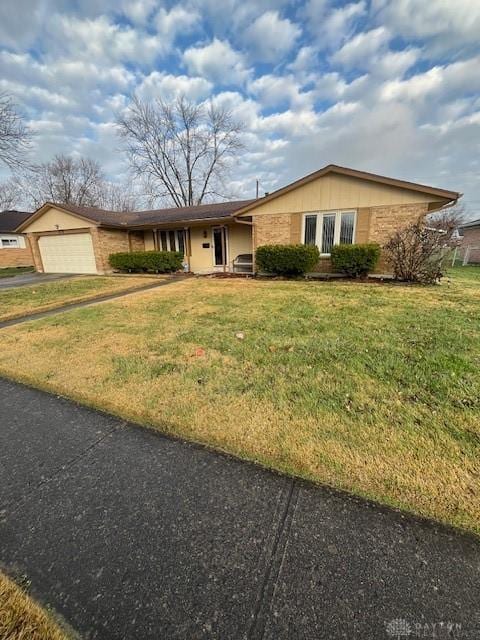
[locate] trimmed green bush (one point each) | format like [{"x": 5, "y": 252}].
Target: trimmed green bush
[
  {"x": 138, "y": 261},
  {"x": 356, "y": 260},
  {"x": 287, "y": 259}
]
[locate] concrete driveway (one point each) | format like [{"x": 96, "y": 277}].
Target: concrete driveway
[
  {"x": 31, "y": 278},
  {"x": 132, "y": 535}
]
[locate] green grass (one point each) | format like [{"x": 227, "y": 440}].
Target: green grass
[
  {"x": 10, "y": 272},
  {"x": 20, "y": 301},
  {"x": 372, "y": 388},
  {"x": 21, "y": 618}
]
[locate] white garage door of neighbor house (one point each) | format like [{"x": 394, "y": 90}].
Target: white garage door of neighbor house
[{"x": 69, "y": 253}]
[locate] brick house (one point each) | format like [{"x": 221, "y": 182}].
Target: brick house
[
  {"x": 471, "y": 241},
  {"x": 14, "y": 247},
  {"x": 329, "y": 206}
]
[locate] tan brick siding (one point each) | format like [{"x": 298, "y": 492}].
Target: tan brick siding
[
  {"x": 471, "y": 237},
  {"x": 107, "y": 241},
  {"x": 374, "y": 224},
  {"x": 16, "y": 257},
  {"x": 272, "y": 229},
  {"x": 362, "y": 228},
  {"x": 137, "y": 242},
  {"x": 385, "y": 221},
  {"x": 37, "y": 259}
]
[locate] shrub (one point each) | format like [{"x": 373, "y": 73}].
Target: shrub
[
  {"x": 355, "y": 259},
  {"x": 157, "y": 261},
  {"x": 287, "y": 259},
  {"x": 418, "y": 253}
]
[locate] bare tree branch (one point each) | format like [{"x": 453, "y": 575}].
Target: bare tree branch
[
  {"x": 15, "y": 136},
  {"x": 10, "y": 195},
  {"x": 78, "y": 181},
  {"x": 182, "y": 151}
]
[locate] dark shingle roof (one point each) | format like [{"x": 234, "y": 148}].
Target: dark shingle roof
[
  {"x": 156, "y": 216},
  {"x": 11, "y": 219},
  {"x": 472, "y": 223}
]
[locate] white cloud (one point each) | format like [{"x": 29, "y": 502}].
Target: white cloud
[
  {"x": 331, "y": 26},
  {"x": 103, "y": 41},
  {"x": 358, "y": 51},
  {"x": 177, "y": 21},
  {"x": 439, "y": 81},
  {"x": 273, "y": 90},
  {"x": 167, "y": 86},
  {"x": 449, "y": 25},
  {"x": 270, "y": 37},
  {"x": 217, "y": 62}
]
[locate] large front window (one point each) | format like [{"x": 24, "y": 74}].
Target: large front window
[
  {"x": 329, "y": 228},
  {"x": 172, "y": 240}
]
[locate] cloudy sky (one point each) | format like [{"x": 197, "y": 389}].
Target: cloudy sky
[{"x": 390, "y": 86}]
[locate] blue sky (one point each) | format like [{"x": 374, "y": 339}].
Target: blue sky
[{"x": 390, "y": 86}]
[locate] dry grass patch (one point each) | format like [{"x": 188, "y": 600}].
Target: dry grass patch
[
  {"x": 23, "y": 619},
  {"x": 21, "y": 301},
  {"x": 373, "y": 389}
]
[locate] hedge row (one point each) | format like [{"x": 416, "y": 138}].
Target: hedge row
[
  {"x": 287, "y": 259},
  {"x": 141, "y": 261},
  {"x": 356, "y": 260}
]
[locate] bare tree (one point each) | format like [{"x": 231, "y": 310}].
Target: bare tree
[
  {"x": 418, "y": 252},
  {"x": 447, "y": 219},
  {"x": 183, "y": 151},
  {"x": 64, "y": 180},
  {"x": 10, "y": 194},
  {"x": 15, "y": 136},
  {"x": 118, "y": 197}
]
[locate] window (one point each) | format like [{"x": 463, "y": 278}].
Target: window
[
  {"x": 310, "y": 229},
  {"x": 172, "y": 240},
  {"x": 9, "y": 242},
  {"x": 329, "y": 228}
]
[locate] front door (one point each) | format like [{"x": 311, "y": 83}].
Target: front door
[{"x": 220, "y": 257}]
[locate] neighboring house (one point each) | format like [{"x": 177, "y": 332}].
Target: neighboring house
[
  {"x": 14, "y": 248},
  {"x": 471, "y": 241},
  {"x": 332, "y": 205}
]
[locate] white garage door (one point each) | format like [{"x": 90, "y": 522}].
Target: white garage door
[{"x": 69, "y": 253}]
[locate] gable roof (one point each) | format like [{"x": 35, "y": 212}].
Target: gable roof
[
  {"x": 11, "y": 219},
  {"x": 472, "y": 223},
  {"x": 353, "y": 173},
  {"x": 137, "y": 219}
]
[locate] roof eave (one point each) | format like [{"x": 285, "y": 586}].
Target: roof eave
[
  {"x": 450, "y": 196},
  {"x": 49, "y": 205}
]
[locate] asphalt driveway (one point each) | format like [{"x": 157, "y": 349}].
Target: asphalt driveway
[
  {"x": 32, "y": 278},
  {"x": 132, "y": 535}
]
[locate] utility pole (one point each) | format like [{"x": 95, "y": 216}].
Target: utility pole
[{"x": 256, "y": 190}]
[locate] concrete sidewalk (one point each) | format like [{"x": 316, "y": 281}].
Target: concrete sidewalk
[{"x": 132, "y": 535}]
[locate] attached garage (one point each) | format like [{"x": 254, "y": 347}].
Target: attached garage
[{"x": 67, "y": 253}]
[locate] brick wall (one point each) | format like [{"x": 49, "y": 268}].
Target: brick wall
[
  {"x": 374, "y": 224},
  {"x": 107, "y": 241},
  {"x": 137, "y": 242},
  {"x": 16, "y": 257},
  {"x": 471, "y": 237},
  {"x": 32, "y": 240},
  {"x": 272, "y": 229}
]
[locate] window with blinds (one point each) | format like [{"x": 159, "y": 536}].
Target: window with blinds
[{"x": 329, "y": 228}]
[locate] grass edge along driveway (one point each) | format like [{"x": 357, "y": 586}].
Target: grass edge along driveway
[
  {"x": 22, "y": 618},
  {"x": 21, "y": 301},
  {"x": 373, "y": 389}
]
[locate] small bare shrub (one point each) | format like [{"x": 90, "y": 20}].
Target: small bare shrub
[{"x": 417, "y": 253}]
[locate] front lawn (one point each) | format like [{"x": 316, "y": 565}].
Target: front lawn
[
  {"x": 21, "y": 301},
  {"x": 367, "y": 387},
  {"x": 10, "y": 272}
]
